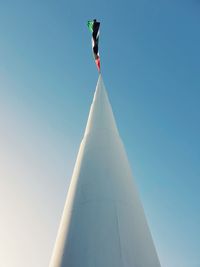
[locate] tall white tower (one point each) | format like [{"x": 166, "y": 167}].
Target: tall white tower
[{"x": 103, "y": 222}]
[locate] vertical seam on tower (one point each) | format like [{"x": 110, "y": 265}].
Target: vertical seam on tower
[{"x": 119, "y": 239}]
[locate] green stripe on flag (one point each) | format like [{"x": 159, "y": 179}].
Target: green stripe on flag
[{"x": 90, "y": 25}]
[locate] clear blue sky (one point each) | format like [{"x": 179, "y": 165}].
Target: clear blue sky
[{"x": 150, "y": 55}]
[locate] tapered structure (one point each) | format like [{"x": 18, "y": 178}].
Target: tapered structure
[{"x": 103, "y": 222}]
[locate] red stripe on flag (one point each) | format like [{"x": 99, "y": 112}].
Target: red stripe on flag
[{"x": 98, "y": 63}]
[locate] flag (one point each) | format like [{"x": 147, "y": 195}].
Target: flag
[{"x": 94, "y": 26}]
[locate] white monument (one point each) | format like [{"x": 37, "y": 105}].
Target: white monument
[{"x": 103, "y": 222}]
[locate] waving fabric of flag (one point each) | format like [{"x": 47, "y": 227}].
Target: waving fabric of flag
[{"x": 94, "y": 26}]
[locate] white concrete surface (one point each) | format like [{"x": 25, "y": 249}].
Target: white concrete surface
[{"x": 103, "y": 222}]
